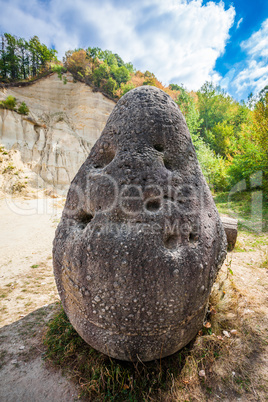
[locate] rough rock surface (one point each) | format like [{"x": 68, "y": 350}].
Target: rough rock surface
[
  {"x": 230, "y": 227},
  {"x": 140, "y": 240},
  {"x": 64, "y": 123}
]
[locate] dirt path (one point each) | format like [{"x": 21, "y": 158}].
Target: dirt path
[{"x": 28, "y": 298}]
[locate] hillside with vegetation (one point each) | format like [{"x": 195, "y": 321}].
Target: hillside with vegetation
[{"x": 230, "y": 137}]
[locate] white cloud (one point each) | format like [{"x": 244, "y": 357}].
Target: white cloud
[
  {"x": 239, "y": 23},
  {"x": 253, "y": 76},
  {"x": 178, "y": 40},
  {"x": 257, "y": 44}
]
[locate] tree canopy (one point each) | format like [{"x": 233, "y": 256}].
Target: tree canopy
[{"x": 21, "y": 59}]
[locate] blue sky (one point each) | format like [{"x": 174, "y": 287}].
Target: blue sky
[{"x": 181, "y": 41}]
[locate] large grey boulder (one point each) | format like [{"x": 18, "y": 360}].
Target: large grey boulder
[{"x": 140, "y": 240}]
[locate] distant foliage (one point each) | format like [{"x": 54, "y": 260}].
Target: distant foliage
[
  {"x": 59, "y": 69},
  {"x": 103, "y": 69},
  {"x": 21, "y": 59},
  {"x": 100, "y": 74},
  {"x": 150, "y": 79},
  {"x": 127, "y": 87},
  {"x": 260, "y": 118},
  {"x": 213, "y": 165},
  {"x": 110, "y": 86}
]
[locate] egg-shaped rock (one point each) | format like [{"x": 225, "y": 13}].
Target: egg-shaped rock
[{"x": 140, "y": 240}]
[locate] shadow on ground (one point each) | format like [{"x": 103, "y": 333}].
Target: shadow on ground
[{"x": 24, "y": 376}]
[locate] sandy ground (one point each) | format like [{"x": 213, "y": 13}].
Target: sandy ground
[{"x": 28, "y": 298}]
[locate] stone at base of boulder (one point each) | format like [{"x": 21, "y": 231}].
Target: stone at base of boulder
[
  {"x": 230, "y": 227},
  {"x": 141, "y": 346}
]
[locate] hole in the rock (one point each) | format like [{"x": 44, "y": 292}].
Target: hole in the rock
[
  {"x": 193, "y": 237},
  {"x": 171, "y": 241},
  {"x": 159, "y": 147},
  {"x": 167, "y": 164},
  {"x": 85, "y": 219},
  {"x": 105, "y": 159},
  {"x": 153, "y": 205},
  {"x": 169, "y": 197}
]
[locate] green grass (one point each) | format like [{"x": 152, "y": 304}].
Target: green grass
[
  {"x": 239, "y": 205},
  {"x": 103, "y": 378},
  {"x": 250, "y": 242}
]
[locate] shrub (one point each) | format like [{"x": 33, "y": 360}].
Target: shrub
[
  {"x": 23, "y": 109},
  {"x": 127, "y": 87},
  {"x": 57, "y": 68},
  {"x": 120, "y": 74},
  {"x": 100, "y": 73},
  {"x": 213, "y": 167},
  {"x": 110, "y": 86},
  {"x": 9, "y": 103}
]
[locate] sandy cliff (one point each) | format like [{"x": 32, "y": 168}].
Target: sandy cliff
[{"x": 63, "y": 124}]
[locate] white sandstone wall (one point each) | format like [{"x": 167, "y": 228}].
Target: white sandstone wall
[{"x": 64, "y": 123}]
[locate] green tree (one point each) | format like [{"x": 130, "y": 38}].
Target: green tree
[
  {"x": 214, "y": 167},
  {"x": 22, "y": 46},
  {"x": 213, "y": 106},
  {"x": 110, "y": 86},
  {"x": 3, "y": 61},
  {"x": 223, "y": 119},
  {"x": 11, "y": 56},
  {"x": 110, "y": 58},
  {"x": 222, "y": 139},
  {"x": 119, "y": 60},
  {"x": 100, "y": 73},
  {"x": 40, "y": 55},
  {"x": 175, "y": 87},
  {"x": 129, "y": 67},
  {"x": 127, "y": 87},
  {"x": 260, "y": 118},
  {"x": 94, "y": 53},
  {"x": 120, "y": 74},
  {"x": 189, "y": 109}
]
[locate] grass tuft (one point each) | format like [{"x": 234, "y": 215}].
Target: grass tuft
[{"x": 101, "y": 377}]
